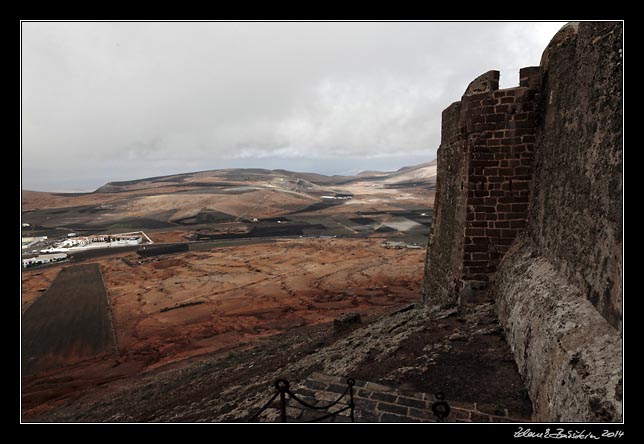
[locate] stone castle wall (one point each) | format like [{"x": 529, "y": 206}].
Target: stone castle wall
[
  {"x": 528, "y": 213},
  {"x": 576, "y": 204},
  {"x": 485, "y": 164}
]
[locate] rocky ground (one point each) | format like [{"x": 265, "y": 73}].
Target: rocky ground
[{"x": 414, "y": 349}]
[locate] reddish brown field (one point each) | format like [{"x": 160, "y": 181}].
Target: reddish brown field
[
  {"x": 252, "y": 290},
  {"x": 245, "y": 292},
  {"x": 168, "y": 236}
]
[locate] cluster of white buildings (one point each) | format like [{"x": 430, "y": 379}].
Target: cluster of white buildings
[
  {"x": 98, "y": 241},
  {"x": 58, "y": 251}
]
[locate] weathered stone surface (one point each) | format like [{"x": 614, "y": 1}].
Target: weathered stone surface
[
  {"x": 346, "y": 320},
  {"x": 559, "y": 291},
  {"x": 576, "y": 204},
  {"x": 567, "y": 352},
  {"x": 444, "y": 256},
  {"x": 484, "y": 83}
]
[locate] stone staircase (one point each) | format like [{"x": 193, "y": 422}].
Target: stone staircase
[{"x": 379, "y": 403}]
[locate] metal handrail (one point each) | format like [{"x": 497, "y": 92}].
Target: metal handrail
[
  {"x": 440, "y": 407},
  {"x": 282, "y": 388}
]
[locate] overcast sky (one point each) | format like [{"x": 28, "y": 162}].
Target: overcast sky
[{"x": 115, "y": 101}]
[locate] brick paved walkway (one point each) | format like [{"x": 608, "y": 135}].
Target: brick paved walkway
[{"x": 379, "y": 403}]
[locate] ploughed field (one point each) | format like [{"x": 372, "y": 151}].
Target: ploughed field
[{"x": 69, "y": 322}]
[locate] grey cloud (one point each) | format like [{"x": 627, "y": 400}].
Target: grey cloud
[{"x": 112, "y": 101}]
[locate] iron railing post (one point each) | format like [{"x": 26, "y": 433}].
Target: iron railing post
[
  {"x": 351, "y": 382},
  {"x": 282, "y": 387}
]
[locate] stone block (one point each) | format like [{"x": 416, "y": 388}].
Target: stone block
[
  {"x": 337, "y": 388},
  {"x": 490, "y": 409},
  {"x": 478, "y": 417},
  {"x": 315, "y": 385},
  {"x": 410, "y": 402},
  {"x": 492, "y": 118},
  {"x": 387, "y": 397},
  {"x": 424, "y": 415},
  {"x": 388, "y": 417},
  {"x": 474, "y": 231},
  {"x": 392, "y": 408},
  {"x": 362, "y": 393},
  {"x": 378, "y": 387},
  {"x": 365, "y": 405}
]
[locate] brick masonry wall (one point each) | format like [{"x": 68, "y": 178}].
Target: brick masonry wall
[
  {"x": 500, "y": 127},
  {"x": 485, "y": 165}
]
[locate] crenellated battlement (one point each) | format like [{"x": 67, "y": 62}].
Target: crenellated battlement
[{"x": 485, "y": 168}]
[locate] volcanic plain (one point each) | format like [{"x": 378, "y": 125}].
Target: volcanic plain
[{"x": 263, "y": 253}]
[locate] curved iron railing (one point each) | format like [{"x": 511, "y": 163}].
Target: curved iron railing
[
  {"x": 440, "y": 407},
  {"x": 283, "y": 388}
]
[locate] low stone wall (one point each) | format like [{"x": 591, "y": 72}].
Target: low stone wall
[{"x": 569, "y": 355}]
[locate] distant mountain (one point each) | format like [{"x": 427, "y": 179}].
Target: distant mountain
[
  {"x": 421, "y": 165},
  {"x": 421, "y": 172},
  {"x": 202, "y": 178},
  {"x": 225, "y": 196}
]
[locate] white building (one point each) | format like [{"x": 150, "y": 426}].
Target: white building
[
  {"x": 43, "y": 259},
  {"x": 99, "y": 241},
  {"x": 29, "y": 241}
]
